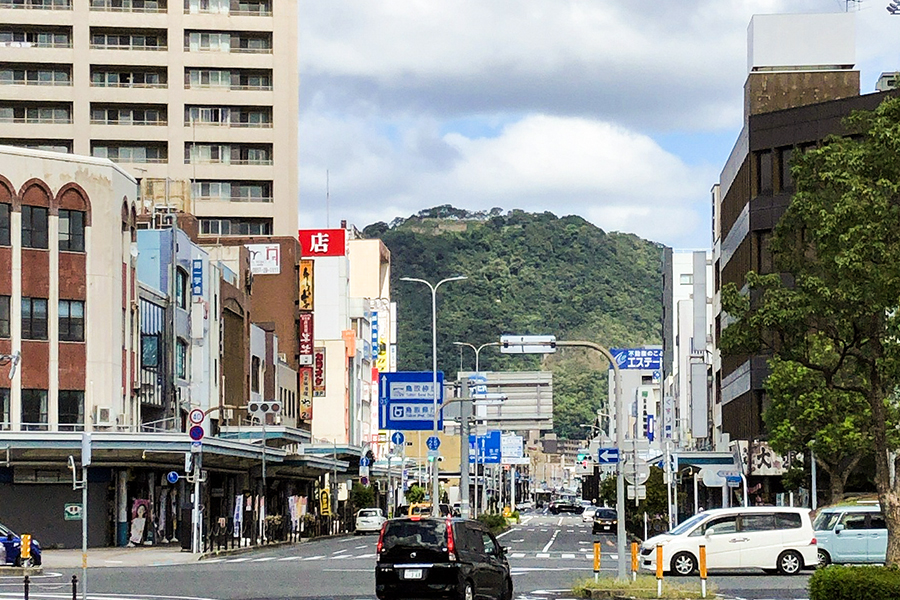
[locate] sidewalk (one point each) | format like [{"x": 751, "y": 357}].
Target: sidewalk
[{"x": 142, "y": 556}]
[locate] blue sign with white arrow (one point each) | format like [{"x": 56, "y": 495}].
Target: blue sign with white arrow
[
  {"x": 364, "y": 462},
  {"x": 398, "y": 438},
  {"x": 486, "y": 448},
  {"x": 406, "y": 400},
  {"x": 607, "y": 456}
]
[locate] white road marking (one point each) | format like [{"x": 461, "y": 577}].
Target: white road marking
[
  {"x": 518, "y": 555},
  {"x": 264, "y": 559},
  {"x": 552, "y": 539},
  {"x": 312, "y": 557},
  {"x": 543, "y": 555},
  {"x": 237, "y": 560},
  {"x": 339, "y": 551},
  {"x": 567, "y": 556},
  {"x": 361, "y": 547},
  {"x": 289, "y": 558}
]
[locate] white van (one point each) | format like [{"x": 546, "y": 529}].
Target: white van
[{"x": 773, "y": 538}]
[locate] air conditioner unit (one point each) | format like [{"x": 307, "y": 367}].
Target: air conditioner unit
[{"x": 103, "y": 416}]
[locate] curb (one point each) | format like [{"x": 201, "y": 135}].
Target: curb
[
  {"x": 248, "y": 549},
  {"x": 20, "y": 571}
]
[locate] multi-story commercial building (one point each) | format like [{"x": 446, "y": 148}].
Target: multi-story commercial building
[{"x": 201, "y": 95}]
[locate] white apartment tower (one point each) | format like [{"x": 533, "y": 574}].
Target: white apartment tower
[{"x": 200, "y": 95}]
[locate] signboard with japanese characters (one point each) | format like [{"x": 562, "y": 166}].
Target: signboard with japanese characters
[
  {"x": 764, "y": 461},
  {"x": 197, "y": 277},
  {"x": 406, "y": 400},
  {"x": 305, "y": 394},
  {"x": 305, "y": 291},
  {"x": 318, "y": 372},
  {"x": 644, "y": 359},
  {"x": 305, "y": 335},
  {"x": 322, "y": 242},
  {"x": 265, "y": 259}
]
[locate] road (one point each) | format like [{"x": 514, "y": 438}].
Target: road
[{"x": 547, "y": 554}]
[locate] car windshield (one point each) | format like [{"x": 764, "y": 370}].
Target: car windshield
[
  {"x": 825, "y": 521},
  {"x": 686, "y": 525},
  {"x": 370, "y": 512},
  {"x": 427, "y": 534}
]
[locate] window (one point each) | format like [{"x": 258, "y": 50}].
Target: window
[
  {"x": 137, "y": 79},
  {"x": 37, "y": 4},
  {"x": 235, "y": 227},
  {"x": 34, "y": 318},
  {"x": 876, "y": 521},
  {"x": 35, "y": 75},
  {"x": 721, "y": 525},
  {"x": 787, "y": 181},
  {"x": 35, "y": 39},
  {"x": 131, "y": 154},
  {"x": 34, "y": 226},
  {"x": 4, "y": 224},
  {"x": 758, "y": 522},
  {"x": 255, "y": 371},
  {"x": 4, "y": 317},
  {"x": 764, "y": 176},
  {"x": 686, "y": 279},
  {"x": 71, "y": 410},
  {"x": 181, "y": 288},
  {"x": 854, "y": 521},
  {"x": 34, "y": 410},
  {"x": 5, "y": 414},
  {"x": 149, "y": 350},
  {"x": 71, "y": 320},
  {"x": 181, "y": 358},
  {"x": 71, "y": 230}
]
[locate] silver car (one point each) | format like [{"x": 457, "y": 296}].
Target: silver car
[{"x": 369, "y": 520}]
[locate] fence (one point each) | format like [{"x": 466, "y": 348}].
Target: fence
[
  {"x": 221, "y": 534},
  {"x": 28, "y": 585}
]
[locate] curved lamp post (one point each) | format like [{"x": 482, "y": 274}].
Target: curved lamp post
[{"x": 435, "y": 500}]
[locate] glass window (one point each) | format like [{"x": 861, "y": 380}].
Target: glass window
[
  {"x": 34, "y": 410},
  {"x": 34, "y": 226},
  {"x": 71, "y": 230},
  {"x": 4, "y": 224},
  {"x": 489, "y": 546},
  {"x": 721, "y": 525},
  {"x": 686, "y": 279},
  {"x": 854, "y": 521},
  {"x": 71, "y": 320},
  {"x": 4, "y": 316},
  {"x": 876, "y": 521},
  {"x": 181, "y": 288},
  {"x": 149, "y": 350},
  {"x": 34, "y": 318},
  {"x": 787, "y": 181},
  {"x": 255, "y": 370},
  {"x": 764, "y": 177},
  {"x": 5, "y": 414},
  {"x": 758, "y": 522},
  {"x": 181, "y": 357},
  {"x": 71, "y": 410},
  {"x": 826, "y": 521}
]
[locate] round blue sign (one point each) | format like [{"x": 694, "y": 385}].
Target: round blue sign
[
  {"x": 398, "y": 438},
  {"x": 172, "y": 477},
  {"x": 433, "y": 443},
  {"x": 196, "y": 433}
]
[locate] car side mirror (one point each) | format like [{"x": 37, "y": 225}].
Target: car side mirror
[
  {"x": 504, "y": 550},
  {"x": 838, "y": 528}
]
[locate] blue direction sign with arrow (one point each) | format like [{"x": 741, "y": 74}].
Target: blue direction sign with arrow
[
  {"x": 607, "y": 456},
  {"x": 485, "y": 448},
  {"x": 406, "y": 400},
  {"x": 398, "y": 438},
  {"x": 363, "y": 461}
]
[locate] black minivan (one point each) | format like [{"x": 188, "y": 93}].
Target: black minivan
[{"x": 426, "y": 557}]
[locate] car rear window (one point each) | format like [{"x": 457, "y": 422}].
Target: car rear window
[
  {"x": 372, "y": 512},
  {"x": 788, "y": 520},
  {"x": 419, "y": 534},
  {"x": 605, "y": 514}
]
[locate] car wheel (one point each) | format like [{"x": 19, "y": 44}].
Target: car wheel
[
  {"x": 824, "y": 558},
  {"x": 684, "y": 564},
  {"x": 468, "y": 592},
  {"x": 790, "y": 562}
]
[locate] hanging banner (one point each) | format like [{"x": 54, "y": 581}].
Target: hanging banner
[
  {"x": 318, "y": 373},
  {"x": 306, "y": 285},
  {"x": 306, "y": 393},
  {"x": 305, "y": 335}
]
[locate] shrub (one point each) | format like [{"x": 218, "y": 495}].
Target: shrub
[
  {"x": 855, "y": 583},
  {"x": 493, "y": 521}
]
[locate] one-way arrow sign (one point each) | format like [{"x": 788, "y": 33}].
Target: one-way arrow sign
[{"x": 607, "y": 456}]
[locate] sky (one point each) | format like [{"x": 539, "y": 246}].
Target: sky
[{"x": 621, "y": 112}]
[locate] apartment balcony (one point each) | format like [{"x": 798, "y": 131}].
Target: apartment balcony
[
  {"x": 233, "y": 199},
  {"x": 235, "y": 96},
  {"x": 144, "y": 8},
  {"x": 37, "y": 5},
  {"x": 25, "y": 52},
  {"x": 25, "y": 129}
]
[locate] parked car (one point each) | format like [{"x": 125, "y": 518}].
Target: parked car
[
  {"x": 773, "y": 538},
  {"x": 12, "y": 549},
  {"x": 423, "y": 509},
  {"x": 564, "y": 506},
  {"x": 369, "y": 520},
  {"x": 855, "y": 533},
  {"x": 587, "y": 515},
  {"x": 605, "y": 520},
  {"x": 440, "y": 558}
]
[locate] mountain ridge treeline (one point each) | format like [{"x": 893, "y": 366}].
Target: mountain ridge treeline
[{"x": 528, "y": 274}]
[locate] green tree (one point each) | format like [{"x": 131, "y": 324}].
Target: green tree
[
  {"x": 655, "y": 504},
  {"x": 837, "y": 314},
  {"x": 362, "y": 496},
  {"x": 415, "y": 493}
]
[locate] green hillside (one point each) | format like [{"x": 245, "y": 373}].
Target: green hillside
[{"x": 528, "y": 274}]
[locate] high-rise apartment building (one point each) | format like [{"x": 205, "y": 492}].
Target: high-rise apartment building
[{"x": 198, "y": 95}]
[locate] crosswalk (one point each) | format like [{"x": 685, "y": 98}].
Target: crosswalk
[{"x": 344, "y": 556}]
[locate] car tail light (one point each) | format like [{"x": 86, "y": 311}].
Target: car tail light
[
  {"x": 813, "y": 542},
  {"x": 451, "y": 544},
  {"x": 380, "y": 546}
]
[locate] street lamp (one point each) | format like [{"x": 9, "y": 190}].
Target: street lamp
[
  {"x": 435, "y": 500},
  {"x": 476, "y": 349}
]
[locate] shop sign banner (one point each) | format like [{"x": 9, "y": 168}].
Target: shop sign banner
[
  {"x": 644, "y": 359},
  {"x": 322, "y": 242},
  {"x": 265, "y": 259},
  {"x": 306, "y": 285},
  {"x": 319, "y": 373},
  {"x": 305, "y": 334},
  {"x": 306, "y": 393}
]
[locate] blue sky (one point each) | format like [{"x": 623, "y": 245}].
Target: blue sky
[{"x": 620, "y": 112}]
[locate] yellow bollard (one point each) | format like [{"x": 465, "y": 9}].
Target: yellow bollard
[
  {"x": 702, "y": 571},
  {"x": 25, "y": 550},
  {"x": 596, "y": 561},
  {"x": 659, "y": 570},
  {"x": 634, "y": 561}
]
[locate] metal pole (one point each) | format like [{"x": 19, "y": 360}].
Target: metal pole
[
  {"x": 477, "y": 453},
  {"x": 390, "y": 507},
  {"x": 812, "y": 466},
  {"x": 465, "y": 407},
  {"x": 669, "y": 476},
  {"x": 195, "y": 513},
  {"x": 84, "y": 531},
  {"x": 435, "y": 500}
]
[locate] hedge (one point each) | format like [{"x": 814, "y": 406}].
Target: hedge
[{"x": 855, "y": 583}]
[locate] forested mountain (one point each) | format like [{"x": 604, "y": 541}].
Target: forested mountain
[{"x": 528, "y": 274}]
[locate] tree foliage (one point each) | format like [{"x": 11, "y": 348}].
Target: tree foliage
[
  {"x": 833, "y": 324},
  {"x": 527, "y": 274}
]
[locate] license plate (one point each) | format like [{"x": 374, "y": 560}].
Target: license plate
[{"x": 412, "y": 574}]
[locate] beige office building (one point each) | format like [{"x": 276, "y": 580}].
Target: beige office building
[{"x": 197, "y": 97}]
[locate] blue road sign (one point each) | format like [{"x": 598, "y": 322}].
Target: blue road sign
[
  {"x": 172, "y": 476},
  {"x": 364, "y": 462},
  {"x": 607, "y": 456},
  {"x": 486, "y": 448},
  {"x": 644, "y": 359},
  {"x": 398, "y": 438},
  {"x": 196, "y": 433},
  {"x": 406, "y": 400},
  {"x": 433, "y": 442}
]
